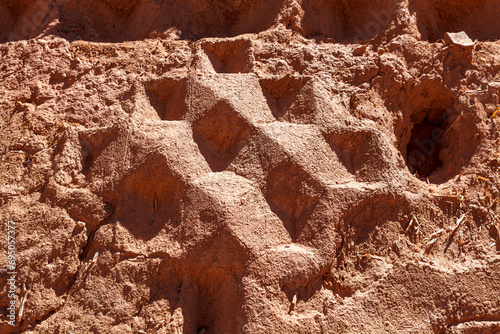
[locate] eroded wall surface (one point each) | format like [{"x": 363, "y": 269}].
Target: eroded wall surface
[{"x": 314, "y": 166}]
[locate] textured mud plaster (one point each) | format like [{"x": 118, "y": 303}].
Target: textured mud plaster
[{"x": 250, "y": 166}]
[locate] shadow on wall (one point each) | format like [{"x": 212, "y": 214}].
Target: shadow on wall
[
  {"x": 25, "y": 19},
  {"x": 118, "y": 21},
  {"x": 148, "y": 199},
  {"x": 477, "y": 18},
  {"x": 341, "y": 20},
  {"x": 346, "y": 20},
  {"x": 168, "y": 97}
]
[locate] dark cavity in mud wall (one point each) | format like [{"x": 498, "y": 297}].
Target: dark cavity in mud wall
[{"x": 426, "y": 142}]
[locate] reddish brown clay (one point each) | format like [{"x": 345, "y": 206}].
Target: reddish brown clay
[{"x": 314, "y": 166}]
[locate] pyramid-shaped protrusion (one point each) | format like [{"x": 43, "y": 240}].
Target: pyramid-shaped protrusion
[
  {"x": 168, "y": 97},
  {"x": 306, "y": 145},
  {"x": 146, "y": 200},
  {"x": 147, "y": 192},
  {"x": 224, "y": 200},
  {"x": 292, "y": 164},
  {"x": 220, "y": 134},
  {"x": 243, "y": 92},
  {"x": 363, "y": 150},
  {"x": 227, "y": 224}
]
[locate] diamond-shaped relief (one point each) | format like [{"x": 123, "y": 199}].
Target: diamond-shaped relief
[{"x": 220, "y": 134}]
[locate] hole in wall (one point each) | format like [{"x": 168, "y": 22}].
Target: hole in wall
[
  {"x": 427, "y": 139},
  {"x": 423, "y": 130}
]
